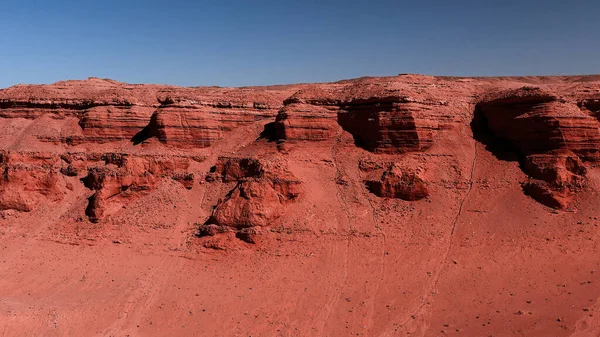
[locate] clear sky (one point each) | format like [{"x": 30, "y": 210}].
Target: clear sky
[{"x": 235, "y": 43}]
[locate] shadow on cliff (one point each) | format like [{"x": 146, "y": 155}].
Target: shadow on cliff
[
  {"x": 500, "y": 148},
  {"x": 269, "y": 132},
  {"x": 358, "y": 129},
  {"x": 147, "y": 132}
]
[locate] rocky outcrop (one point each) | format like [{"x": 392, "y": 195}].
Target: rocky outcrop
[
  {"x": 551, "y": 135},
  {"x": 389, "y": 124},
  {"x": 185, "y": 179},
  {"x": 27, "y": 180},
  {"x": 554, "y": 177},
  {"x": 189, "y": 123},
  {"x": 259, "y": 197},
  {"x": 122, "y": 178},
  {"x": 400, "y": 183},
  {"x": 230, "y": 169},
  {"x": 380, "y": 121},
  {"x": 31, "y": 178},
  {"x": 109, "y": 111},
  {"x": 535, "y": 121},
  {"x": 305, "y": 122},
  {"x": 254, "y": 202},
  {"x": 113, "y": 123},
  {"x": 308, "y": 115}
]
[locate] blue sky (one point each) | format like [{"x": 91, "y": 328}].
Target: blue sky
[{"x": 235, "y": 43}]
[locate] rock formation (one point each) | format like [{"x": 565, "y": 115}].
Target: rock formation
[
  {"x": 554, "y": 177},
  {"x": 536, "y": 121},
  {"x": 188, "y": 123},
  {"x": 393, "y": 116},
  {"x": 120, "y": 178},
  {"x": 388, "y": 124},
  {"x": 230, "y": 169},
  {"x": 551, "y": 135},
  {"x": 308, "y": 115},
  {"x": 592, "y": 105},
  {"x": 399, "y": 183},
  {"x": 387, "y": 121},
  {"x": 259, "y": 197},
  {"x": 27, "y": 180}
]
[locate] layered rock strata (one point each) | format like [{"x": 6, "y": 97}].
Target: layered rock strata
[{"x": 551, "y": 135}]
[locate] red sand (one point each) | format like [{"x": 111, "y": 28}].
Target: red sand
[{"x": 106, "y": 234}]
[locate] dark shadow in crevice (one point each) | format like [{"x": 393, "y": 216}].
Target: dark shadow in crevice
[
  {"x": 592, "y": 107},
  {"x": 147, "y": 132},
  {"x": 373, "y": 187},
  {"x": 361, "y": 143},
  {"x": 269, "y": 132},
  {"x": 91, "y": 209},
  {"x": 358, "y": 127},
  {"x": 501, "y": 148}
]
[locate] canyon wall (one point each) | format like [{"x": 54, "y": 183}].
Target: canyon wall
[{"x": 121, "y": 140}]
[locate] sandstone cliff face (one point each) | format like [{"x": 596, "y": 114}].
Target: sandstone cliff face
[
  {"x": 389, "y": 125},
  {"x": 113, "y": 123},
  {"x": 199, "y": 126},
  {"x": 535, "y": 121},
  {"x": 187, "y": 119},
  {"x": 105, "y": 110},
  {"x": 386, "y": 117},
  {"x": 305, "y": 122},
  {"x": 308, "y": 115},
  {"x": 552, "y": 136},
  {"x": 109, "y": 111},
  {"x": 381, "y": 121}
]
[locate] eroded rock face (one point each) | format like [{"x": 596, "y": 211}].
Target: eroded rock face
[
  {"x": 188, "y": 120},
  {"x": 230, "y": 169},
  {"x": 555, "y": 177},
  {"x": 197, "y": 126},
  {"x": 560, "y": 166},
  {"x": 305, "y": 122},
  {"x": 251, "y": 203},
  {"x": 31, "y": 178},
  {"x": 122, "y": 178},
  {"x": 400, "y": 183},
  {"x": 388, "y": 125},
  {"x": 535, "y": 121},
  {"x": 260, "y": 196},
  {"x": 103, "y": 111},
  {"x": 551, "y": 135},
  {"x": 308, "y": 115},
  {"x": 112, "y": 123},
  {"x": 380, "y": 121},
  {"x": 27, "y": 180}
]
